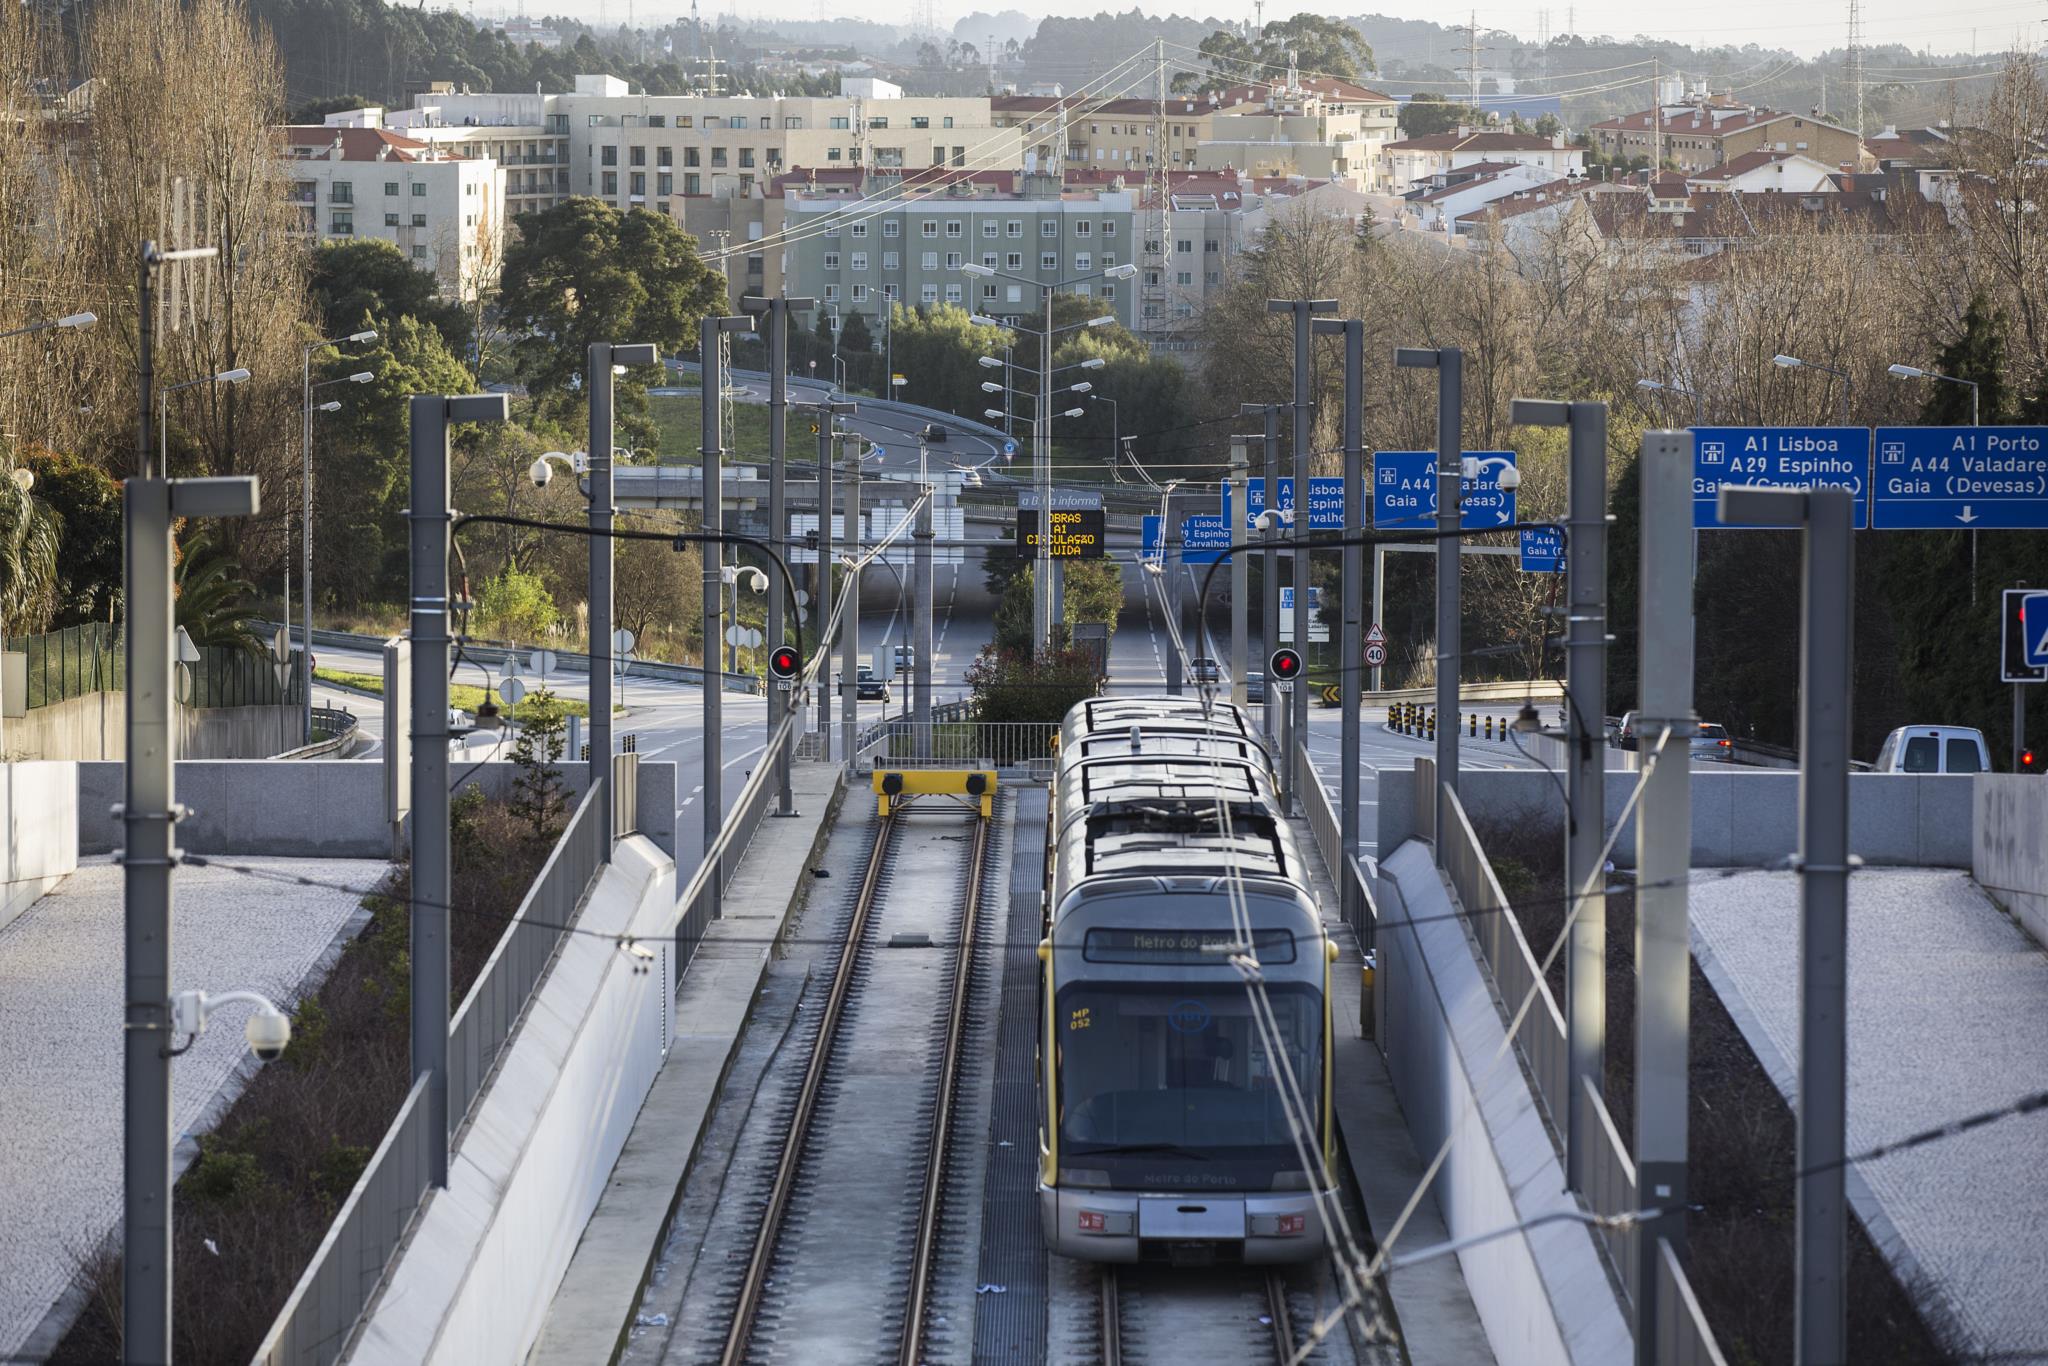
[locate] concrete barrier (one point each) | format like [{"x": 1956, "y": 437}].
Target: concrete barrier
[
  {"x": 39, "y": 819},
  {"x": 2009, "y": 846},
  {"x": 319, "y": 808},
  {"x": 1741, "y": 818},
  {"x": 93, "y": 726}
]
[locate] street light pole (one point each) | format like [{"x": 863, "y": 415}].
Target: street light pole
[
  {"x": 1449, "y": 364},
  {"x": 1302, "y": 311},
  {"x": 306, "y": 387},
  {"x": 1351, "y": 647},
  {"x": 599, "y": 383},
  {"x": 713, "y": 452}
]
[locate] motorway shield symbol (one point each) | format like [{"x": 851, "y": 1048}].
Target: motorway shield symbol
[{"x": 2034, "y": 629}]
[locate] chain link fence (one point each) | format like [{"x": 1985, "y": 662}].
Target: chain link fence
[{"x": 86, "y": 659}]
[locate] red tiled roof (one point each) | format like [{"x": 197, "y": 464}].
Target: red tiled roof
[
  {"x": 1526, "y": 201},
  {"x": 1695, "y": 121},
  {"x": 357, "y": 144}
]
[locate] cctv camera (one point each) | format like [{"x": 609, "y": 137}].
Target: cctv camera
[
  {"x": 1510, "y": 478},
  {"x": 540, "y": 472},
  {"x": 268, "y": 1032}
]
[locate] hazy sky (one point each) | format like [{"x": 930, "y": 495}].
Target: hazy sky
[{"x": 1971, "y": 25}]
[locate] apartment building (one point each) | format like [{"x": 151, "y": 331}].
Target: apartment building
[
  {"x": 1704, "y": 131},
  {"x": 445, "y": 213},
  {"x": 533, "y": 155}
]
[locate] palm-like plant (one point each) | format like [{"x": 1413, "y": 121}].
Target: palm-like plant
[
  {"x": 29, "y": 536},
  {"x": 213, "y": 596}
]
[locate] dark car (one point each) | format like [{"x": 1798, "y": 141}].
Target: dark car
[
  {"x": 1205, "y": 670},
  {"x": 935, "y": 434},
  {"x": 869, "y": 686}
]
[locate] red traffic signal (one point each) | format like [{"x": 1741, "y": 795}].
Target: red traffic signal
[
  {"x": 2026, "y": 761},
  {"x": 1284, "y": 665},
  {"x": 783, "y": 663}
]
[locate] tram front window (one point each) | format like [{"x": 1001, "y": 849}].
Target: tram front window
[{"x": 1174, "y": 1085}]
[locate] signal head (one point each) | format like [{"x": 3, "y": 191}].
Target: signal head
[
  {"x": 783, "y": 662},
  {"x": 1284, "y": 665}
]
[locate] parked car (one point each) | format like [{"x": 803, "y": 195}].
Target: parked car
[
  {"x": 935, "y": 434},
  {"x": 1205, "y": 670},
  {"x": 906, "y": 658},
  {"x": 870, "y": 686},
  {"x": 1710, "y": 742},
  {"x": 1934, "y": 749}
]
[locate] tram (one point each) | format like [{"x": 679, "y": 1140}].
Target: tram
[{"x": 1166, "y": 1133}]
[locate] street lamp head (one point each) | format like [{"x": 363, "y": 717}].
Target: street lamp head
[
  {"x": 1072, "y": 412},
  {"x": 1104, "y": 321},
  {"x": 1083, "y": 387},
  {"x": 332, "y": 405},
  {"x": 235, "y": 376},
  {"x": 983, "y": 320},
  {"x": 992, "y": 412},
  {"x": 1789, "y": 362},
  {"x": 1093, "y": 363},
  {"x": 976, "y": 268},
  {"x": 1122, "y": 272},
  {"x": 362, "y": 377},
  {"x": 1649, "y": 384},
  {"x": 989, "y": 386},
  {"x": 988, "y": 362},
  {"x": 367, "y": 335},
  {"x": 78, "y": 320},
  {"x": 1907, "y": 372}
]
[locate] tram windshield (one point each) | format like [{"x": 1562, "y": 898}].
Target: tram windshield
[{"x": 1173, "y": 1084}]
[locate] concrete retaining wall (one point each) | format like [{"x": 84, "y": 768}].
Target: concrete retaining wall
[
  {"x": 1543, "y": 1296},
  {"x": 322, "y": 808},
  {"x": 93, "y": 727},
  {"x": 2009, "y": 853},
  {"x": 476, "y": 1278},
  {"x": 39, "y": 820},
  {"x": 1741, "y": 818}
]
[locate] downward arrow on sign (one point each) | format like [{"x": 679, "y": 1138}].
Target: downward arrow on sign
[{"x": 1966, "y": 516}]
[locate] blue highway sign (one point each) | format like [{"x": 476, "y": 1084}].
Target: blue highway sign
[
  {"x": 1542, "y": 550},
  {"x": 1944, "y": 478},
  {"x": 2034, "y": 629},
  {"x": 1325, "y": 501},
  {"x": 1148, "y": 539},
  {"x": 1404, "y": 491},
  {"x": 1009, "y": 448},
  {"x": 1782, "y": 457},
  {"x": 1203, "y": 540}
]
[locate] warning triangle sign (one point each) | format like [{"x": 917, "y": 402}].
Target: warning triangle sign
[{"x": 1375, "y": 636}]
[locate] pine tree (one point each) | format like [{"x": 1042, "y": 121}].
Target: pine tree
[{"x": 1978, "y": 354}]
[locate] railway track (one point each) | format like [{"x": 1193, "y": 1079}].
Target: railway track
[
  {"x": 801, "y": 1198},
  {"x": 1148, "y": 1314}
]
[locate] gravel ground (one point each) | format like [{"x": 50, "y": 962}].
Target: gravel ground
[
  {"x": 1948, "y": 1016},
  {"x": 60, "y": 1013}
]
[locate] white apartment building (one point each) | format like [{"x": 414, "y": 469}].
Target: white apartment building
[
  {"x": 1412, "y": 160},
  {"x": 446, "y": 214}
]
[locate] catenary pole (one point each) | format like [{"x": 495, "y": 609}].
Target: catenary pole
[
  {"x": 921, "y": 619},
  {"x": 1269, "y": 563},
  {"x": 849, "y": 682},
  {"x": 602, "y": 387},
  {"x": 1240, "y": 581},
  {"x": 777, "y": 311},
  {"x": 1351, "y": 644},
  {"x": 1663, "y": 859},
  {"x": 713, "y": 452}
]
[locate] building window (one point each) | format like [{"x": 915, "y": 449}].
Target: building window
[
  {"x": 1049, "y": 260},
  {"x": 390, "y": 220},
  {"x": 664, "y": 156},
  {"x": 1212, "y": 277},
  {"x": 746, "y": 156},
  {"x": 831, "y": 294},
  {"x": 839, "y": 122},
  {"x": 988, "y": 258},
  {"x": 718, "y": 156},
  {"x": 890, "y": 260},
  {"x": 938, "y": 154},
  {"x": 1107, "y": 292},
  {"x": 1048, "y": 227},
  {"x": 657, "y": 120},
  {"x": 952, "y": 294},
  {"x": 690, "y": 157},
  {"x": 611, "y": 184},
  {"x": 344, "y": 225},
  {"x": 637, "y": 184},
  {"x": 792, "y": 123},
  {"x": 390, "y": 187},
  {"x": 692, "y": 183},
  {"x": 664, "y": 183},
  {"x": 1015, "y": 293},
  {"x": 419, "y": 220},
  {"x": 860, "y": 294},
  {"x": 1083, "y": 227},
  {"x": 1184, "y": 246},
  {"x": 419, "y": 253},
  {"x": 608, "y": 156},
  {"x": 959, "y": 156},
  {"x": 636, "y": 156},
  {"x": 929, "y": 227},
  {"x": 857, "y": 261},
  {"x": 929, "y": 261},
  {"x": 831, "y": 154},
  {"x": 920, "y": 121},
  {"x": 929, "y": 294},
  {"x": 1014, "y": 261},
  {"x": 687, "y": 121},
  {"x": 831, "y": 260},
  {"x": 1014, "y": 228},
  {"x": 946, "y": 122},
  {"x": 989, "y": 228},
  {"x": 988, "y": 293},
  {"x": 1108, "y": 259},
  {"x": 952, "y": 260},
  {"x": 892, "y": 228},
  {"x": 889, "y": 293},
  {"x": 766, "y": 122},
  {"x": 341, "y": 192},
  {"x": 1212, "y": 245},
  {"x": 1185, "y": 277},
  {"x": 953, "y": 227},
  {"x": 1083, "y": 262}
]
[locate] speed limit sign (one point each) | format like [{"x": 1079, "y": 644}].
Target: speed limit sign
[{"x": 1375, "y": 655}]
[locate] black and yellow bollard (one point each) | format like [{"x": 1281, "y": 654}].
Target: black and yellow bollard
[{"x": 1474, "y": 732}]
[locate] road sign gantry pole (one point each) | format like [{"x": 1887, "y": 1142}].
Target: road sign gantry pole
[
  {"x": 1449, "y": 364},
  {"x": 1586, "y": 793},
  {"x": 713, "y": 451},
  {"x": 1302, "y": 310}
]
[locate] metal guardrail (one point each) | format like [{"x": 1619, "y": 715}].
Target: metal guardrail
[
  {"x": 568, "y": 661},
  {"x": 341, "y": 729},
  {"x": 1345, "y": 869},
  {"x": 314, "y": 1326},
  {"x": 1009, "y": 746},
  {"x": 695, "y": 917},
  {"x": 1611, "y": 1187},
  {"x": 1683, "y": 1337},
  {"x": 506, "y": 983}
]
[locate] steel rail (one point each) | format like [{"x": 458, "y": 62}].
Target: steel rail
[{"x": 942, "y": 1114}]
